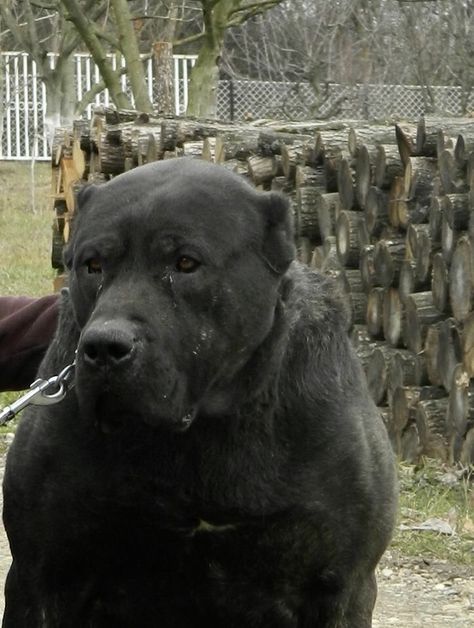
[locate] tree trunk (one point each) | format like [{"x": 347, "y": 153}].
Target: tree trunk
[
  {"x": 389, "y": 255},
  {"x": 448, "y": 239},
  {"x": 457, "y": 211},
  {"x": 350, "y": 284},
  {"x": 271, "y": 142},
  {"x": 90, "y": 39},
  {"x": 419, "y": 178},
  {"x": 363, "y": 175},
  {"x": 450, "y": 352},
  {"x": 376, "y": 211},
  {"x": 330, "y": 254},
  {"x": 129, "y": 48},
  {"x": 407, "y": 279},
  {"x": 369, "y": 135},
  {"x": 374, "y": 316},
  {"x": 467, "y": 452},
  {"x": 396, "y": 196},
  {"x": 460, "y": 279},
  {"x": 392, "y": 317},
  {"x": 406, "y": 142},
  {"x": 60, "y": 102},
  {"x": 262, "y": 169},
  {"x": 366, "y": 266},
  {"x": 431, "y": 424},
  {"x": 237, "y": 143},
  {"x": 329, "y": 207},
  {"x": 163, "y": 60},
  {"x": 377, "y": 373},
  {"x": 428, "y": 140},
  {"x": 420, "y": 314},
  {"x": 202, "y": 90},
  {"x": 307, "y": 222},
  {"x": 388, "y": 165},
  {"x": 411, "y": 211},
  {"x": 468, "y": 344},
  {"x": 463, "y": 147},
  {"x": 347, "y": 237},
  {"x": 452, "y": 175},
  {"x": 404, "y": 407},
  {"x": 459, "y": 409},
  {"x": 406, "y": 369},
  {"x": 163, "y": 57},
  {"x": 437, "y": 206},
  {"x": 440, "y": 284},
  {"x": 424, "y": 257},
  {"x": 345, "y": 184}
]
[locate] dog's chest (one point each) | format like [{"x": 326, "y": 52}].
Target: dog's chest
[
  {"x": 152, "y": 515},
  {"x": 177, "y": 559}
]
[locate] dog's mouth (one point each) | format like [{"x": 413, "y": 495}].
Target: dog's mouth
[
  {"x": 110, "y": 425},
  {"x": 112, "y": 416},
  {"x": 108, "y": 417}
]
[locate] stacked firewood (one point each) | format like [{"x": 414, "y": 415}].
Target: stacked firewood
[{"x": 387, "y": 210}]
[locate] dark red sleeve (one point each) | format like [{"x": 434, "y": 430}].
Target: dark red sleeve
[{"x": 27, "y": 325}]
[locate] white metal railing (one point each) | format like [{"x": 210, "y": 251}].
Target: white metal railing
[{"x": 23, "y": 124}]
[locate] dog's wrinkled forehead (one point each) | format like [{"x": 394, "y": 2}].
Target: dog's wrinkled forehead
[{"x": 180, "y": 196}]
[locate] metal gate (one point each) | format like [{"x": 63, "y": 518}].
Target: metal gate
[{"x": 23, "y": 125}]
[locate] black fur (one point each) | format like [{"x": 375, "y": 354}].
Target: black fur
[{"x": 219, "y": 462}]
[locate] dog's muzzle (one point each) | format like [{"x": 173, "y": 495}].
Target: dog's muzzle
[{"x": 110, "y": 344}]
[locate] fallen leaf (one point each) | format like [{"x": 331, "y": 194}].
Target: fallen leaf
[{"x": 432, "y": 525}]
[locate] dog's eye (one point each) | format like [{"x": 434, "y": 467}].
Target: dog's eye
[
  {"x": 94, "y": 266},
  {"x": 187, "y": 264}
]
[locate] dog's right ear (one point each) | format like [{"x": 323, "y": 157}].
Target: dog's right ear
[
  {"x": 278, "y": 247},
  {"x": 83, "y": 202},
  {"x": 84, "y": 195}
]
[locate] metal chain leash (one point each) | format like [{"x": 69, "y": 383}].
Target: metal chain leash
[{"x": 43, "y": 392}]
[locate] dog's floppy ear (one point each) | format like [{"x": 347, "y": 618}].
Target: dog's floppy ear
[
  {"x": 278, "y": 245},
  {"x": 84, "y": 195},
  {"x": 82, "y": 202}
]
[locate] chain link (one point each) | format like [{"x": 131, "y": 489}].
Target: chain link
[{"x": 43, "y": 392}]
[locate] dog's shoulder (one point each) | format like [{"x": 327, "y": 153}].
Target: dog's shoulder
[
  {"x": 316, "y": 301},
  {"x": 320, "y": 361}
]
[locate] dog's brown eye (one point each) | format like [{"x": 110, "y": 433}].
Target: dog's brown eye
[
  {"x": 187, "y": 264},
  {"x": 94, "y": 266}
]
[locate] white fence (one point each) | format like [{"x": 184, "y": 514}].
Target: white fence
[{"x": 23, "y": 124}]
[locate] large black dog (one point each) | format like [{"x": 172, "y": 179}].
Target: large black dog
[{"x": 219, "y": 462}]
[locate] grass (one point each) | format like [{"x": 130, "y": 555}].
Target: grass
[
  {"x": 25, "y": 235},
  {"x": 441, "y": 495},
  {"x": 428, "y": 491}
]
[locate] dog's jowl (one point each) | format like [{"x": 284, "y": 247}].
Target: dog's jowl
[{"x": 218, "y": 461}]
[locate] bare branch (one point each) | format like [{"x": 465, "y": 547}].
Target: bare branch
[
  {"x": 49, "y": 6},
  {"x": 97, "y": 88},
  {"x": 189, "y": 40}
]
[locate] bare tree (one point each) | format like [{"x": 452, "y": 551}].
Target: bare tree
[
  {"x": 217, "y": 16},
  {"x": 40, "y": 28}
]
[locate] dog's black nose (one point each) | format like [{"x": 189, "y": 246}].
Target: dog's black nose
[{"x": 108, "y": 344}]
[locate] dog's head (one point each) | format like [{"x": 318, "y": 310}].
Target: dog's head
[{"x": 175, "y": 274}]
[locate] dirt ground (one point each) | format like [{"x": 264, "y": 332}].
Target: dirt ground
[{"x": 412, "y": 592}]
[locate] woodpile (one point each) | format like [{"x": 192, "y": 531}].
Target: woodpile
[{"x": 387, "y": 210}]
